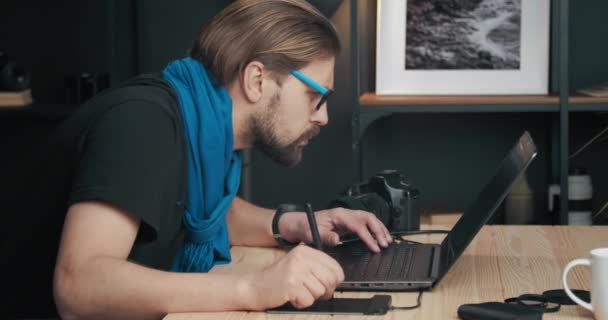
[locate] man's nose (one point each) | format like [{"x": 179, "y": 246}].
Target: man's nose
[{"x": 320, "y": 116}]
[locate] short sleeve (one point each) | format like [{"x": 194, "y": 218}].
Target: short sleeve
[{"x": 129, "y": 158}]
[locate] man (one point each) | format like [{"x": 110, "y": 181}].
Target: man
[{"x": 148, "y": 172}]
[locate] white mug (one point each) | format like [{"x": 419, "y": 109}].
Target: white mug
[{"x": 599, "y": 283}]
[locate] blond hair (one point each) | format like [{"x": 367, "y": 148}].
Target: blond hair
[{"x": 282, "y": 34}]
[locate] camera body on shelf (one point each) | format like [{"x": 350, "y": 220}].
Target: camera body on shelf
[{"x": 388, "y": 196}]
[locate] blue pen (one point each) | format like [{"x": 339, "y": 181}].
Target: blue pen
[{"x": 316, "y": 238}]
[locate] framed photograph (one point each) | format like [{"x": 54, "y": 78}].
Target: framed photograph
[{"x": 453, "y": 47}]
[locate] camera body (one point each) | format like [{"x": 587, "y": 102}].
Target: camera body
[{"x": 388, "y": 196}]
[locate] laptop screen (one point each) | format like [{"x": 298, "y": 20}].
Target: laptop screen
[{"x": 486, "y": 203}]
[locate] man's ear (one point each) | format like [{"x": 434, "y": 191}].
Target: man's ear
[{"x": 252, "y": 80}]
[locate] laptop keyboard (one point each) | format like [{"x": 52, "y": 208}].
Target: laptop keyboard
[{"x": 361, "y": 264}]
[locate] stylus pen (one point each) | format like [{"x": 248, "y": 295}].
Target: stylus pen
[{"x": 316, "y": 238}]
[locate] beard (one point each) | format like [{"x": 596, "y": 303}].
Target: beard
[{"x": 266, "y": 137}]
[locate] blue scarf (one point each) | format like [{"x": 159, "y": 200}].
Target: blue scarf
[{"x": 214, "y": 169}]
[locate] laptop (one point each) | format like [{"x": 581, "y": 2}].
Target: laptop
[{"x": 408, "y": 265}]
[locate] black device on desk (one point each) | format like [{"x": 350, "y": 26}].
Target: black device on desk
[
  {"x": 409, "y": 266},
  {"x": 376, "y": 305}
]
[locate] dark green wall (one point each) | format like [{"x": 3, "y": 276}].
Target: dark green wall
[
  {"x": 449, "y": 156},
  {"x": 57, "y": 38},
  {"x": 588, "y": 45},
  {"x": 589, "y": 66},
  {"x": 166, "y": 29}
]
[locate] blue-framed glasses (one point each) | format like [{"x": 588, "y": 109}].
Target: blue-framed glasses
[{"x": 325, "y": 92}]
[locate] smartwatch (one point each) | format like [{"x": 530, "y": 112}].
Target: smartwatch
[{"x": 282, "y": 209}]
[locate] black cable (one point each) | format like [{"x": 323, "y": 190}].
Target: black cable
[{"x": 409, "y": 307}]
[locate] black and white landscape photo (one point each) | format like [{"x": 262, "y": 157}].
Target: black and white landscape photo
[{"x": 463, "y": 34}]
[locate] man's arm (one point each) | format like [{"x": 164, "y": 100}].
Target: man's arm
[
  {"x": 250, "y": 225},
  {"x": 94, "y": 279}
]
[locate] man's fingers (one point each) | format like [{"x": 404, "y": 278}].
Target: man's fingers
[
  {"x": 315, "y": 286},
  {"x": 378, "y": 230},
  {"x": 301, "y": 298},
  {"x": 331, "y": 265},
  {"x": 366, "y": 237},
  {"x": 318, "y": 283},
  {"x": 314, "y": 259},
  {"x": 330, "y": 238},
  {"x": 328, "y": 277},
  {"x": 388, "y": 235},
  {"x": 364, "y": 224},
  {"x": 328, "y": 295}
]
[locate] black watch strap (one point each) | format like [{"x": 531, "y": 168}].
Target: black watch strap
[{"x": 281, "y": 209}]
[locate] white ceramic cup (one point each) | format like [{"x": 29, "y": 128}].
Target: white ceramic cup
[{"x": 599, "y": 282}]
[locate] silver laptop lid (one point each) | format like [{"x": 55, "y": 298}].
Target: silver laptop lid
[{"x": 486, "y": 203}]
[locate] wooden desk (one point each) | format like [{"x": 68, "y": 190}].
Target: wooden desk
[{"x": 501, "y": 262}]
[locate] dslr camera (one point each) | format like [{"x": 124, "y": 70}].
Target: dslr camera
[{"x": 388, "y": 196}]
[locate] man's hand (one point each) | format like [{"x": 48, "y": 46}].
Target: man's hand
[
  {"x": 333, "y": 223},
  {"x": 300, "y": 277}
]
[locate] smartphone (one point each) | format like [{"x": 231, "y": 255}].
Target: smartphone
[{"x": 376, "y": 305}]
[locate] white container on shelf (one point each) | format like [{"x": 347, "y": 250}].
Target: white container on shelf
[{"x": 580, "y": 193}]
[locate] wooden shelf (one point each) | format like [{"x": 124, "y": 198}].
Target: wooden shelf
[
  {"x": 587, "y": 99},
  {"x": 587, "y": 103},
  {"x": 372, "y": 99},
  {"x": 459, "y": 103}
]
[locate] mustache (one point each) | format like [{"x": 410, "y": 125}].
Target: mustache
[{"x": 313, "y": 132}]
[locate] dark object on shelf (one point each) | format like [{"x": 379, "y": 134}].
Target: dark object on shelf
[
  {"x": 13, "y": 77},
  {"x": 389, "y": 197},
  {"x": 84, "y": 86}
]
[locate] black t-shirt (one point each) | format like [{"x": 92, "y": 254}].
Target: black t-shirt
[{"x": 125, "y": 147}]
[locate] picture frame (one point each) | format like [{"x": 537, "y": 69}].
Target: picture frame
[{"x": 473, "y": 47}]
